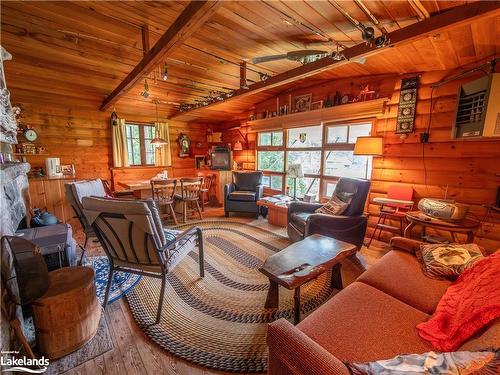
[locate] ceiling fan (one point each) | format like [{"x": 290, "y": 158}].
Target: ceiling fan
[{"x": 302, "y": 56}]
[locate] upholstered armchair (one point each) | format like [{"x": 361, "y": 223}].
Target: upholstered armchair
[
  {"x": 135, "y": 241},
  {"x": 349, "y": 227},
  {"x": 75, "y": 192},
  {"x": 243, "y": 193}
]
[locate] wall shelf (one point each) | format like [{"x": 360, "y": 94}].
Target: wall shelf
[{"x": 345, "y": 112}]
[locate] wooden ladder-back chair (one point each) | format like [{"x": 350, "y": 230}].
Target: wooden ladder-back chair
[
  {"x": 135, "y": 241},
  {"x": 163, "y": 193},
  {"x": 205, "y": 197},
  {"x": 190, "y": 194}
]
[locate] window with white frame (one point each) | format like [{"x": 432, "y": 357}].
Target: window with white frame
[{"x": 325, "y": 152}]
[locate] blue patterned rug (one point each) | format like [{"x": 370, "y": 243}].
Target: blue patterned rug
[{"x": 123, "y": 282}]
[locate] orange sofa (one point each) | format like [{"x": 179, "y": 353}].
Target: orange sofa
[{"x": 373, "y": 318}]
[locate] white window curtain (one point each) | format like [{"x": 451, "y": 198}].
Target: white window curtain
[
  {"x": 119, "y": 137},
  {"x": 163, "y": 157}
]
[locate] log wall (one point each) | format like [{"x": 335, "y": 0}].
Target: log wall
[{"x": 466, "y": 170}]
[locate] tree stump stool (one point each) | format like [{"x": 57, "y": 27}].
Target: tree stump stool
[{"x": 67, "y": 315}]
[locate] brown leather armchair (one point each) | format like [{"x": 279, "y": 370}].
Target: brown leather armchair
[{"x": 349, "y": 227}]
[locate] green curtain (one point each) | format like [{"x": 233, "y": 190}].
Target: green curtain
[
  {"x": 163, "y": 158},
  {"x": 120, "y": 154}
]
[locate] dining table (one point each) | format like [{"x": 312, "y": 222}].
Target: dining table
[{"x": 142, "y": 188}]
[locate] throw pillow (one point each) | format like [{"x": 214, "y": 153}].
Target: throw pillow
[
  {"x": 447, "y": 261},
  {"x": 431, "y": 363},
  {"x": 333, "y": 207},
  {"x": 468, "y": 305}
]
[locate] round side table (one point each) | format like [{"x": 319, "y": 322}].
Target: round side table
[{"x": 466, "y": 226}]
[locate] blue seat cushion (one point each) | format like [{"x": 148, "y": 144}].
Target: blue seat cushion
[{"x": 242, "y": 196}]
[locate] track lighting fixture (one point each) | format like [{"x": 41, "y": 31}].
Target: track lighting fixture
[
  {"x": 264, "y": 76},
  {"x": 367, "y": 32},
  {"x": 165, "y": 72},
  {"x": 381, "y": 41},
  {"x": 338, "y": 55}
]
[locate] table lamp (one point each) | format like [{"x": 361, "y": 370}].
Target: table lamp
[
  {"x": 369, "y": 146},
  {"x": 295, "y": 171}
]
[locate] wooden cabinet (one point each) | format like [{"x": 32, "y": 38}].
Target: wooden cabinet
[
  {"x": 49, "y": 193},
  {"x": 221, "y": 179}
]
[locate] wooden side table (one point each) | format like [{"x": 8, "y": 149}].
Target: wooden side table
[
  {"x": 466, "y": 226},
  {"x": 277, "y": 213},
  {"x": 301, "y": 262}
]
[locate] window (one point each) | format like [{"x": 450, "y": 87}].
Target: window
[
  {"x": 310, "y": 160},
  {"x": 324, "y": 151},
  {"x": 273, "y": 182},
  {"x": 271, "y": 139},
  {"x": 273, "y": 161},
  {"x": 311, "y": 136},
  {"x": 139, "y": 147},
  {"x": 304, "y": 185},
  {"x": 345, "y": 164}
]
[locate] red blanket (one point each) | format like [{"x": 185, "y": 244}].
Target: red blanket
[{"x": 470, "y": 303}]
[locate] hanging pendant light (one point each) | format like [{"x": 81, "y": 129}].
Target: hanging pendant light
[
  {"x": 157, "y": 141},
  {"x": 145, "y": 93}
]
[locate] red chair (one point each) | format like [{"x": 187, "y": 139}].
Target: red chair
[{"x": 398, "y": 202}]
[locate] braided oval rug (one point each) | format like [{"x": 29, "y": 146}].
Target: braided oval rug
[{"x": 220, "y": 321}]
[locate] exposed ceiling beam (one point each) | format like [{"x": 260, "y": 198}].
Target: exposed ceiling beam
[
  {"x": 419, "y": 9},
  {"x": 453, "y": 17},
  {"x": 189, "y": 21}
]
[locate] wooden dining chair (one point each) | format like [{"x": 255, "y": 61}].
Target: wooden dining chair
[
  {"x": 205, "y": 198},
  {"x": 163, "y": 193},
  {"x": 190, "y": 195}
]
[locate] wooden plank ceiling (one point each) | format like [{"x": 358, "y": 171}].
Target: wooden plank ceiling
[{"x": 90, "y": 47}]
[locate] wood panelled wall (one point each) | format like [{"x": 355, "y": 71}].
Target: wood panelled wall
[
  {"x": 73, "y": 129},
  {"x": 465, "y": 170}
]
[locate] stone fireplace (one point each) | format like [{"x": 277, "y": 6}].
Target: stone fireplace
[{"x": 14, "y": 199}]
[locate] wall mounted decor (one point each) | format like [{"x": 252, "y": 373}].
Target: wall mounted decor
[
  {"x": 303, "y": 102},
  {"x": 184, "y": 146},
  {"x": 407, "y": 105},
  {"x": 8, "y": 113}
]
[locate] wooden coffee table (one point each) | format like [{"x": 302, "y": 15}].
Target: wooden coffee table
[{"x": 301, "y": 262}]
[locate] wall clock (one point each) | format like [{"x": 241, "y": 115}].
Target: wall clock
[
  {"x": 30, "y": 135},
  {"x": 407, "y": 104}
]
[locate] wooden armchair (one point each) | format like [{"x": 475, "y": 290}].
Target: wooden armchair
[{"x": 135, "y": 241}]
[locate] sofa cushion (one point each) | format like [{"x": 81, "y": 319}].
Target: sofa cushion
[
  {"x": 299, "y": 220},
  {"x": 362, "y": 324},
  {"x": 399, "y": 274},
  {"x": 246, "y": 196},
  {"x": 447, "y": 261},
  {"x": 247, "y": 180}
]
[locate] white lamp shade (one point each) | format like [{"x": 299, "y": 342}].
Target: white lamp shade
[
  {"x": 295, "y": 171},
  {"x": 373, "y": 146}
]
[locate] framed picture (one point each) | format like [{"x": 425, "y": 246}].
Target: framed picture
[
  {"x": 68, "y": 169},
  {"x": 303, "y": 103},
  {"x": 317, "y": 105}
]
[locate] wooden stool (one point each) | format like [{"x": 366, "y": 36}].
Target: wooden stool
[{"x": 67, "y": 315}]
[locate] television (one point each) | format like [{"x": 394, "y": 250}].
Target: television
[{"x": 221, "y": 158}]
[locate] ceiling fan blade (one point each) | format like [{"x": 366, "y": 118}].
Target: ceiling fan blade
[
  {"x": 258, "y": 60},
  {"x": 359, "y": 60},
  {"x": 304, "y": 53}
]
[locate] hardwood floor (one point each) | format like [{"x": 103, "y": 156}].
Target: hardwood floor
[{"x": 133, "y": 353}]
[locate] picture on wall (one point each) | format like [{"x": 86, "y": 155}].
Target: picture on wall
[
  {"x": 303, "y": 102},
  {"x": 407, "y": 105}
]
